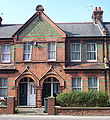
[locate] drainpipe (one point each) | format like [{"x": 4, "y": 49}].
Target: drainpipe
[{"x": 106, "y": 72}]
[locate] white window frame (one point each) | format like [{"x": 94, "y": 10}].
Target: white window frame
[
  {"x": 76, "y": 87},
  {"x": 75, "y": 52},
  {"x": 95, "y": 60},
  {"x": 6, "y": 53},
  {"x": 92, "y": 87},
  {"x": 25, "y": 52},
  {"x": 4, "y": 87},
  {"x": 51, "y": 51}
]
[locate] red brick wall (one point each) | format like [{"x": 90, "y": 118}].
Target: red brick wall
[
  {"x": 10, "y": 108},
  {"x": 83, "y": 111}
]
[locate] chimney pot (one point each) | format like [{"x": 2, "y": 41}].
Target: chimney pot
[
  {"x": 97, "y": 15},
  {"x": 95, "y": 9},
  {"x": 99, "y": 9}
]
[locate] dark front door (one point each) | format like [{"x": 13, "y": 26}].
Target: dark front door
[
  {"x": 23, "y": 94},
  {"x": 46, "y": 91}
]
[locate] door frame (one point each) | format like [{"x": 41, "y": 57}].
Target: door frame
[
  {"x": 29, "y": 80},
  {"x": 52, "y": 81}
]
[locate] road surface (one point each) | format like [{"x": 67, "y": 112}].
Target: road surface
[{"x": 36, "y": 117}]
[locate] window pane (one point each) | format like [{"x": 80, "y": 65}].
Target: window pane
[
  {"x": 6, "y": 52},
  {"x": 51, "y": 50},
  {"x": 27, "y": 51},
  {"x": 3, "y": 82},
  {"x": 3, "y": 92},
  {"x": 76, "y": 84},
  {"x": 91, "y": 51},
  {"x": 75, "y": 51},
  {"x": 92, "y": 83},
  {"x": 77, "y": 47}
]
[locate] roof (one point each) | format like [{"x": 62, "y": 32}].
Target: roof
[
  {"x": 107, "y": 27},
  {"x": 7, "y": 30},
  {"x": 80, "y": 29},
  {"x": 82, "y": 66},
  {"x": 87, "y": 29}
]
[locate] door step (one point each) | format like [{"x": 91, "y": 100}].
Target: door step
[{"x": 30, "y": 110}]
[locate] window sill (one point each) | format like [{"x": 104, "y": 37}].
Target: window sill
[
  {"x": 92, "y": 61},
  {"x": 75, "y": 61},
  {"x": 26, "y": 61},
  {"x": 51, "y": 61}
]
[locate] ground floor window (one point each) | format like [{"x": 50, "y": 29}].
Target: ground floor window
[
  {"x": 93, "y": 83},
  {"x": 3, "y": 87},
  {"x": 76, "y": 84}
]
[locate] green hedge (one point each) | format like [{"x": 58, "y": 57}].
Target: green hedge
[{"x": 82, "y": 99}]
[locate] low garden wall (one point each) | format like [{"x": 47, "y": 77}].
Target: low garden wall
[{"x": 83, "y": 111}]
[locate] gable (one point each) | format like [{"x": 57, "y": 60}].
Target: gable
[{"x": 40, "y": 30}]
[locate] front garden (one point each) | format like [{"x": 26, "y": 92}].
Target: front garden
[{"x": 83, "y": 99}]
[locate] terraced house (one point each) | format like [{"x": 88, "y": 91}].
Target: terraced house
[{"x": 41, "y": 58}]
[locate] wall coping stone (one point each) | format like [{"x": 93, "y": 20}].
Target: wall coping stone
[{"x": 83, "y": 108}]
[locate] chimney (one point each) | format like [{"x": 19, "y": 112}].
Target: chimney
[
  {"x": 39, "y": 10},
  {"x": 0, "y": 21},
  {"x": 97, "y": 15}
]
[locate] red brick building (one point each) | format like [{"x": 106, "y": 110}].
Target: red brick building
[{"x": 41, "y": 58}]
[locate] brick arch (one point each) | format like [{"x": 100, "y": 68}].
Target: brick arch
[
  {"x": 61, "y": 81},
  {"x": 36, "y": 81}
]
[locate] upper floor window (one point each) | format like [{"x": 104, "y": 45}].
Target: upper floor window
[
  {"x": 27, "y": 51},
  {"x": 75, "y": 52},
  {"x": 5, "y": 53},
  {"x": 52, "y": 51},
  {"x": 76, "y": 84},
  {"x": 93, "y": 83},
  {"x": 3, "y": 87},
  {"x": 91, "y": 52}
]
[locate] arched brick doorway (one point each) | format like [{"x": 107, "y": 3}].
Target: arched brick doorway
[
  {"x": 26, "y": 93},
  {"x": 51, "y": 87}
]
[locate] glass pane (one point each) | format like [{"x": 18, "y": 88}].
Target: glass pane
[
  {"x": 92, "y": 89},
  {"x": 51, "y": 46},
  {"x": 76, "y": 82},
  {"x": 3, "y": 92},
  {"x": 77, "y": 47},
  {"x": 76, "y": 89},
  {"x": 51, "y": 50},
  {"x": 26, "y": 57},
  {"x": 6, "y": 57},
  {"x": 73, "y": 47},
  {"x": 88, "y": 47},
  {"x": 3, "y": 82}
]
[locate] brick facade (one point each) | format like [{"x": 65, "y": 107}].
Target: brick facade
[{"x": 39, "y": 68}]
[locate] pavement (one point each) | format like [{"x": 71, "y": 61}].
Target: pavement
[{"x": 54, "y": 117}]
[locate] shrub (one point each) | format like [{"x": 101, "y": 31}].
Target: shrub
[{"x": 82, "y": 99}]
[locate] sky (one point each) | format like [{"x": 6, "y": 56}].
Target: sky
[{"x": 59, "y": 11}]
